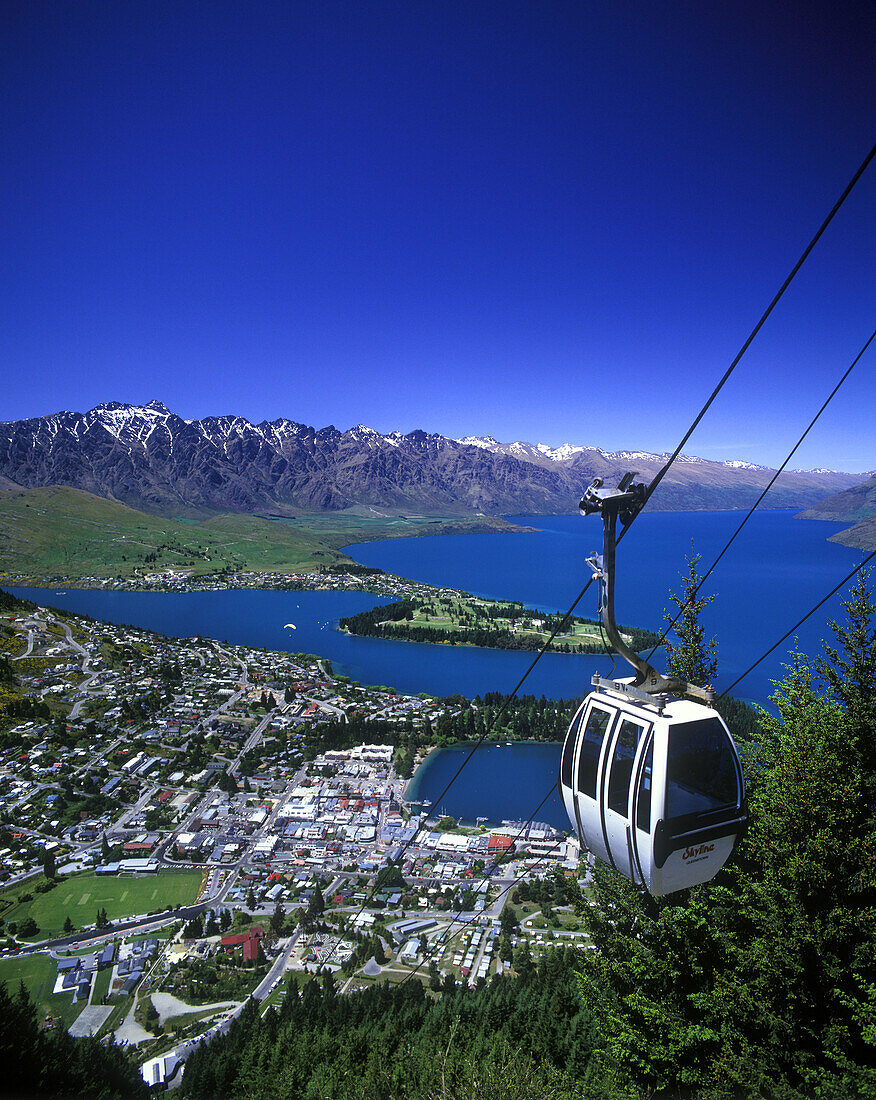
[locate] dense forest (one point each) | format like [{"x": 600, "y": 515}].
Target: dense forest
[
  {"x": 38, "y": 1063},
  {"x": 478, "y": 627},
  {"x": 508, "y": 1039}
]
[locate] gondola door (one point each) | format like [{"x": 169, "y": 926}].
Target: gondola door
[
  {"x": 582, "y": 771},
  {"x": 623, "y": 764}
]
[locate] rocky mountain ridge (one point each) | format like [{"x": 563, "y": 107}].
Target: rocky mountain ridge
[{"x": 147, "y": 457}]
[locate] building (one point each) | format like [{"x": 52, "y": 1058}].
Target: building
[{"x": 249, "y": 941}]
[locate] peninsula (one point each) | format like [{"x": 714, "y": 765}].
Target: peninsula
[{"x": 460, "y": 619}]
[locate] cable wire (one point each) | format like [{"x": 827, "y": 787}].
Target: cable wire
[
  {"x": 820, "y": 603},
  {"x": 772, "y": 481},
  {"x": 836, "y": 207},
  {"x": 456, "y": 917},
  {"x": 661, "y": 473}
]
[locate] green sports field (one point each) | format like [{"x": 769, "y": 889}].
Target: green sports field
[
  {"x": 80, "y": 896},
  {"x": 38, "y": 972}
]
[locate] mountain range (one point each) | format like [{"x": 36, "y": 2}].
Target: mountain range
[{"x": 148, "y": 458}]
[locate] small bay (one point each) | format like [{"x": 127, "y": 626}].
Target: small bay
[{"x": 502, "y": 782}]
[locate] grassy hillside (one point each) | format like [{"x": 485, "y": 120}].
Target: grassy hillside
[
  {"x": 856, "y": 505},
  {"x": 862, "y": 535},
  {"x": 62, "y": 532}
]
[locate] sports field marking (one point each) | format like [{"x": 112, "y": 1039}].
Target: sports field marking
[
  {"x": 122, "y": 898},
  {"x": 67, "y": 900},
  {"x": 83, "y": 899}
]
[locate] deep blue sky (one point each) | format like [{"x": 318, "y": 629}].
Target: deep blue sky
[{"x": 543, "y": 221}]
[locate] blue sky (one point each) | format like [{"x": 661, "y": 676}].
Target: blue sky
[{"x": 554, "y": 222}]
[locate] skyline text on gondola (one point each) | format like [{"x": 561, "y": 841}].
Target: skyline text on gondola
[{"x": 702, "y": 851}]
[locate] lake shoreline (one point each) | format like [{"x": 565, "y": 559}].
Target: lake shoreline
[
  {"x": 780, "y": 567},
  {"x": 486, "y": 744},
  {"x": 497, "y": 788}
]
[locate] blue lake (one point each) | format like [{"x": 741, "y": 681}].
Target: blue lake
[
  {"x": 777, "y": 569},
  {"x": 502, "y": 782}
]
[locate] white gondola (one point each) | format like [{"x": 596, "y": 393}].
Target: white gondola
[
  {"x": 652, "y": 784},
  {"x": 657, "y": 792}
]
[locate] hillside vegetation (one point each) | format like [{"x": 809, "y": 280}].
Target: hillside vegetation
[
  {"x": 57, "y": 532},
  {"x": 857, "y": 506}
]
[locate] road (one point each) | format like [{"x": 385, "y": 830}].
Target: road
[
  {"x": 267, "y": 984},
  {"x": 260, "y": 993},
  {"x": 29, "y": 649}
]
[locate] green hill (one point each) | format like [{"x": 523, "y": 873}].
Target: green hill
[{"x": 57, "y": 532}]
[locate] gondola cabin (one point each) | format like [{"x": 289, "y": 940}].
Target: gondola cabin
[{"x": 653, "y": 788}]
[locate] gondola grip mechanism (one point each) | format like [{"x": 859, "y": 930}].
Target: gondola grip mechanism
[{"x": 624, "y": 503}]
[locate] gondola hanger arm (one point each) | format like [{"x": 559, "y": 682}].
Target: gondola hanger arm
[{"x": 624, "y": 503}]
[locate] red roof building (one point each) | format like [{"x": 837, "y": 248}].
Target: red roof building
[{"x": 249, "y": 941}]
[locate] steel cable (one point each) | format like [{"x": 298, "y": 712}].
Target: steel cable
[{"x": 772, "y": 481}]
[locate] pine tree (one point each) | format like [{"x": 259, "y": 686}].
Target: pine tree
[
  {"x": 848, "y": 671},
  {"x": 691, "y": 658}
]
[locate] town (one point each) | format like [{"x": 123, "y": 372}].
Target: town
[
  {"x": 188, "y": 825},
  {"x": 325, "y": 579}
]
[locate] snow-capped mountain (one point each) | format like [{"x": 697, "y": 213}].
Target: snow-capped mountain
[{"x": 150, "y": 458}]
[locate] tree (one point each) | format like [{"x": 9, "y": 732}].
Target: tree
[
  {"x": 52, "y": 1063},
  {"x": 434, "y": 977},
  {"x": 760, "y": 983},
  {"x": 316, "y": 905},
  {"x": 68, "y": 925},
  {"x": 523, "y": 962},
  {"x": 49, "y": 864},
  {"x": 194, "y": 928},
  {"x": 691, "y": 658},
  {"x": 847, "y": 671},
  {"x": 508, "y": 922},
  {"x": 808, "y": 892}
]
